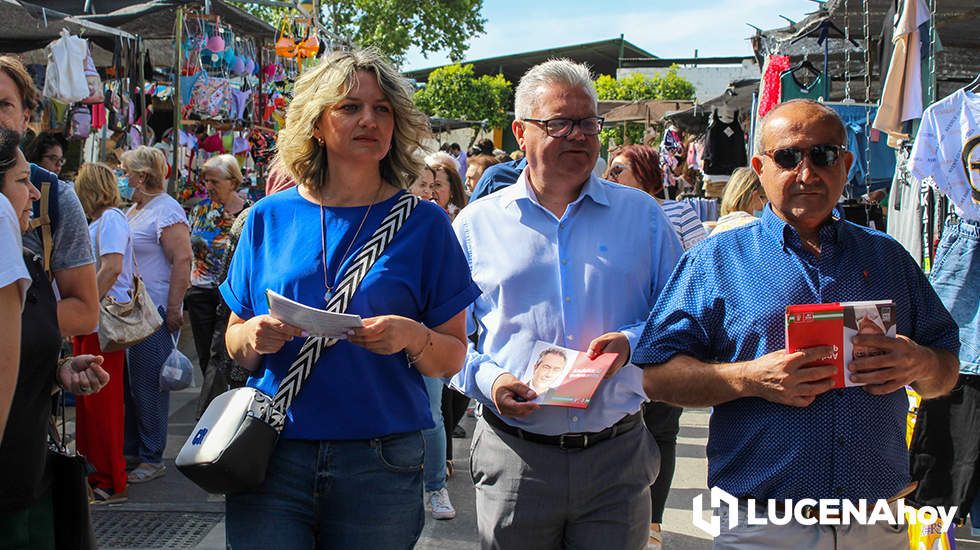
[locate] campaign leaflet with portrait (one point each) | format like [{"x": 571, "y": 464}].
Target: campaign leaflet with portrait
[
  {"x": 812, "y": 325},
  {"x": 564, "y": 377}
]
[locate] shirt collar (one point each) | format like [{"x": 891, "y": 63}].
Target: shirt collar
[
  {"x": 594, "y": 189},
  {"x": 786, "y": 234}
]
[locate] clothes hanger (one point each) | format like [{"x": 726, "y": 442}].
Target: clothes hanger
[{"x": 805, "y": 65}]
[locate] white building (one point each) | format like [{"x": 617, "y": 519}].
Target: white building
[{"x": 710, "y": 76}]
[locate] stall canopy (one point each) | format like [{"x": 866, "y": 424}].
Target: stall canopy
[
  {"x": 25, "y": 27},
  {"x": 695, "y": 119},
  {"x": 446, "y": 124},
  {"x": 956, "y": 58},
  {"x": 651, "y": 110},
  {"x": 154, "y": 22}
]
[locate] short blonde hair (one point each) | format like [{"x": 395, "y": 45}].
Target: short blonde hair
[
  {"x": 97, "y": 187},
  {"x": 326, "y": 85},
  {"x": 149, "y": 161},
  {"x": 226, "y": 166},
  {"x": 739, "y": 189}
]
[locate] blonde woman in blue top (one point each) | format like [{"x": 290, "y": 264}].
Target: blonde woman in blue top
[{"x": 347, "y": 470}]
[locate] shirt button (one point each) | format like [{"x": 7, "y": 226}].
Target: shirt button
[
  {"x": 564, "y": 262},
  {"x": 841, "y": 441},
  {"x": 569, "y": 337},
  {"x": 574, "y": 419},
  {"x": 839, "y": 491},
  {"x": 568, "y": 298}
]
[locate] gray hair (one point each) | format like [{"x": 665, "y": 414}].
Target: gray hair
[
  {"x": 442, "y": 157},
  {"x": 554, "y": 71},
  {"x": 226, "y": 167}
]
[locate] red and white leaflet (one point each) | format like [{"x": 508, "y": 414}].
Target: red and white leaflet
[
  {"x": 836, "y": 324},
  {"x": 564, "y": 377}
]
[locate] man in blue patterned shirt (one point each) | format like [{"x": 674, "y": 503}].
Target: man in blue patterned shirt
[{"x": 716, "y": 338}]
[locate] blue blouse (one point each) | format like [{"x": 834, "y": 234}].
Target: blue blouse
[{"x": 352, "y": 393}]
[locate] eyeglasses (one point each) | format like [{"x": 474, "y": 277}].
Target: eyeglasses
[
  {"x": 60, "y": 161},
  {"x": 561, "y": 127},
  {"x": 616, "y": 170},
  {"x": 820, "y": 155}
]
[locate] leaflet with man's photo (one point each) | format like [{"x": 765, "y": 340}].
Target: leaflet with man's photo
[
  {"x": 564, "y": 377},
  {"x": 835, "y": 324}
]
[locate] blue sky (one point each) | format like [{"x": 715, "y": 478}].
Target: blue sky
[{"x": 662, "y": 27}]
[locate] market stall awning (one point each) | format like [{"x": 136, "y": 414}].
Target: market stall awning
[
  {"x": 25, "y": 26},
  {"x": 695, "y": 119},
  {"x": 651, "y": 110},
  {"x": 956, "y": 59},
  {"x": 156, "y": 18},
  {"x": 446, "y": 124},
  {"x": 155, "y": 21}
]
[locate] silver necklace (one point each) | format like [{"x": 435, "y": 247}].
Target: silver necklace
[{"x": 323, "y": 241}]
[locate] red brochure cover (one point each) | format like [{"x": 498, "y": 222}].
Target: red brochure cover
[
  {"x": 835, "y": 324},
  {"x": 564, "y": 377}
]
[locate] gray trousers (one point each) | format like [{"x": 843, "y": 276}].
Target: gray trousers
[
  {"x": 792, "y": 536},
  {"x": 541, "y": 497}
]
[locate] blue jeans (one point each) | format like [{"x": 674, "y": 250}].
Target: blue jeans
[
  {"x": 956, "y": 278},
  {"x": 435, "y": 439},
  {"x": 333, "y": 494}
]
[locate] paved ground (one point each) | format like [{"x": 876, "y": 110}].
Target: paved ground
[{"x": 172, "y": 512}]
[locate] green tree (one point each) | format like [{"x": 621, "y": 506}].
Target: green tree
[
  {"x": 454, "y": 91},
  {"x": 638, "y": 87},
  {"x": 396, "y": 26}
]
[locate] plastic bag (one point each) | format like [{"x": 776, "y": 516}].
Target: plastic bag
[
  {"x": 177, "y": 371},
  {"x": 64, "y": 78}
]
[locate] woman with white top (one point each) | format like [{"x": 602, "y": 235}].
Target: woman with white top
[
  {"x": 100, "y": 417},
  {"x": 161, "y": 240}
]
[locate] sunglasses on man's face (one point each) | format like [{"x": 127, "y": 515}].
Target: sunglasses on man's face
[{"x": 821, "y": 156}]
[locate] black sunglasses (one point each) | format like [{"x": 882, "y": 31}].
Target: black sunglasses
[{"x": 820, "y": 155}]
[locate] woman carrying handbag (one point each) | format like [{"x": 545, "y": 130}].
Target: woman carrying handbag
[
  {"x": 346, "y": 471},
  {"x": 100, "y": 418}
]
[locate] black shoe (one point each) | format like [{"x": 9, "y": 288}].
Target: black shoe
[{"x": 459, "y": 432}]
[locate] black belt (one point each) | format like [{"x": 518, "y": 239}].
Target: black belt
[{"x": 570, "y": 440}]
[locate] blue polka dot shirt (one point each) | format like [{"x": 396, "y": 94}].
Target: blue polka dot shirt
[{"x": 725, "y": 302}]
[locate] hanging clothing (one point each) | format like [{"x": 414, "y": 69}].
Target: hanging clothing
[
  {"x": 695, "y": 152},
  {"x": 947, "y": 151},
  {"x": 770, "y": 88},
  {"x": 906, "y": 208},
  {"x": 791, "y": 88},
  {"x": 670, "y": 148},
  {"x": 901, "y": 98},
  {"x": 874, "y": 161},
  {"x": 724, "y": 147}
]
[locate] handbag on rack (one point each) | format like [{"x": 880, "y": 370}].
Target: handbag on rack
[
  {"x": 228, "y": 450},
  {"x": 69, "y": 492},
  {"x": 126, "y": 324}
]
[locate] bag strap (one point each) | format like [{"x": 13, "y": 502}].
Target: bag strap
[{"x": 310, "y": 353}]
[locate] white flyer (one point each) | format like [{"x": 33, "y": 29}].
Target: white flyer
[{"x": 317, "y": 322}]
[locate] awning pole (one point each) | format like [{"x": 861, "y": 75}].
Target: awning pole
[{"x": 175, "y": 136}]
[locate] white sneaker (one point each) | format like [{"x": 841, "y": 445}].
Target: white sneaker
[{"x": 442, "y": 508}]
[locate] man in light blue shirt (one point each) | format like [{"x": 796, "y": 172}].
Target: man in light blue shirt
[{"x": 565, "y": 258}]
